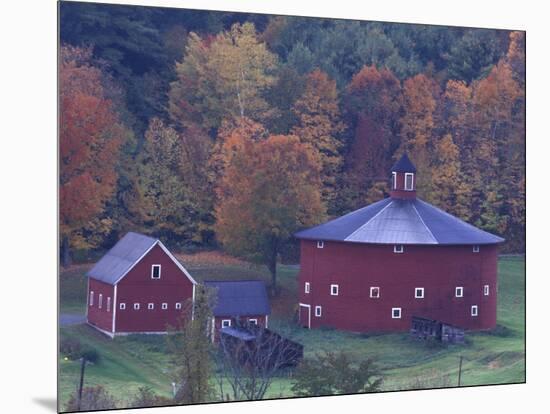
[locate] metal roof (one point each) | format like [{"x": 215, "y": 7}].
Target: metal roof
[
  {"x": 240, "y": 298},
  {"x": 122, "y": 257},
  {"x": 404, "y": 165},
  {"x": 239, "y": 333},
  {"x": 396, "y": 221}
]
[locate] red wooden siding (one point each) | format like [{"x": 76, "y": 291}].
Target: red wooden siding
[
  {"x": 399, "y": 191},
  {"x": 357, "y": 267},
  {"x": 138, "y": 287},
  {"x": 102, "y": 318}
]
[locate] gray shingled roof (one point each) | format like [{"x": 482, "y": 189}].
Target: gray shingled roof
[
  {"x": 121, "y": 257},
  {"x": 404, "y": 165},
  {"x": 240, "y": 298},
  {"x": 395, "y": 221}
]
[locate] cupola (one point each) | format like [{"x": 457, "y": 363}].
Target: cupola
[{"x": 403, "y": 180}]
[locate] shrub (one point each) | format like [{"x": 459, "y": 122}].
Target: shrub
[
  {"x": 90, "y": 354},
  {"x": 145, "y": 397},
  {"x": 70, "y": 347},
  {"x": 93, "y": 398}
]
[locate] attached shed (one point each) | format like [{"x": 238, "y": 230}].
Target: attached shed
[
  {"x": 239, "y": 302},
  {"x": 424, "y": 328},
  {"x": 138, "y": 286}
]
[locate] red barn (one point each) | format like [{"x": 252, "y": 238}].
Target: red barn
[
  {"x": 137, "y": 287},
  {"x": 239, "y": 302},
  {"x": 376, "y": 267}
]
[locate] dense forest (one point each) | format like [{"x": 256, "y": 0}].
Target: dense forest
[{"x": 235, "y": 129}]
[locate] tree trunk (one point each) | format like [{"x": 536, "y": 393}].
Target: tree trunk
[
  {"x": 65, "y": 254},
  {"x": 272, "y": 266}
]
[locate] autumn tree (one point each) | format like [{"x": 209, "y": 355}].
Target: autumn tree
[
  {"x": 220, "y": 77},
  {"x": 373, "y": 103},
  {"x": 320, "y": 126},
  {"x": 269, "y": 190},
  {"x": 90, "y": 135},
  {"x": 420, "y": 95}
]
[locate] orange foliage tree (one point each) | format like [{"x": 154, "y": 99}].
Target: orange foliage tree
[
  {"x": 90, "y": 135},
  {"x": 269, "y": 190},
  {"x": 319, "y": 125}
]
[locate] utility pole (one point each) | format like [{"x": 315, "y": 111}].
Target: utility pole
[
  {"x": 82, "y": 367},
  {"x": 460, "y": 370}
]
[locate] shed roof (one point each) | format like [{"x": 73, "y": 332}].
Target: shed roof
[
  {"x": 397, "y": 221},
  {"x": 240, "y": 298}
]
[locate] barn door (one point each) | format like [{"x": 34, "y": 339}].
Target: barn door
[{"x": 305, "y": 315}]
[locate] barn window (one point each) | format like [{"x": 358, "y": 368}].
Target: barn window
[
  {"x": 253, "y": 321},
  {"x": 317, "y": 311},
  {"x": 396, "y": 313},
  {"x": 178, "y": 305},
  {"x": 226, "y": 323},
  {"x": 92, "y": 298},
  {"x": 334, "y": 290},
  {"x": 459, "y": 291},
  {"x": 155, "y": 271},
  {"x": 419, "y": 293},
  {"x": 108, "y": 304},
  {"x": 164, "y": 306},
  {"x": 306, "y": 287},
  {"x": 320, "y": 244},
  {"x": 122, "y": 306},
  {"x": 486, "y": 290},
  {"x": 150, "y": 306},
  {"x": 100, "y": 301},
  {"x": 136, "y": 306},
  {"x": 475, "y": 249},
  {"x": 374, "y": 292},
  {"x": 474, "y": 310},
  {"x": 398, "y": 248},
  {"x": 394, "y": 181},
  {"x": 409, "y": 181}
]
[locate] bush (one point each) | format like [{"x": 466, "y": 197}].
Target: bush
[
  {"x": 93, "y": 398},
  {"x": 90, "y": 355},
  {"x": 145, "y": 397},
  {"x": 71, "y": 348}
]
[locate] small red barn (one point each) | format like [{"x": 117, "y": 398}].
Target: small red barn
[
  {"x": 239, "y": 302},
  {"x": 137, "y": 287},
  {"x": 375, "y": 268}
]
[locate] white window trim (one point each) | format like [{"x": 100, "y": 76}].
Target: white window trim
[
  {"x": 318, "y": 311},
  {"x": 486, "y": 290},
  {"x": 393, "y": 314},
  {"x": 224, "y": 321},
  {"x": 253, "y": 320},
  {"x": 398, "y": 248},
  {"x": 122, "y": 306},
  {"x": 475, "y": 248},
  {"x": 108, "y": 304},
  {"x": 421, "y": 296},
  {"x": 394, "y": 180},
  {"x": 332, "y": 293},
  {"x": 100, "y": 301},
  {"x": 306, "y": 287},
  {"x": 474, "y": 310},
  {"x": 164, "y": 306},
  {"x": 372, "y": 289},
  {"x": 150, "y": 306},
  {"x": 152, "y": 271},
  {"x": 412, "y": 182},
  {"x": 178, "y": 305},
  {"x": 136, "y": 306},
  {"x": 461, "y": 292},
  {"x": 320, "y": 244},
  {"x": 92, "y": 298}
]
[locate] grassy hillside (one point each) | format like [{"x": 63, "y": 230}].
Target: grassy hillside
[{"x": 140, "y": 360}]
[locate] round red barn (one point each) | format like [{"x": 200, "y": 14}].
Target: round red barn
[{"x": 375, "y": 268}]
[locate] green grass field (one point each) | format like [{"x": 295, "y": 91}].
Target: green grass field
[{"x": 140, "y": 360}]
